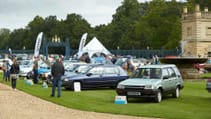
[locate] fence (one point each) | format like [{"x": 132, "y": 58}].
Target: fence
[{"x": 135, "y": 53}]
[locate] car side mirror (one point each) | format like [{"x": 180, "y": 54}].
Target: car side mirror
[{"x": 89, "y": 74}]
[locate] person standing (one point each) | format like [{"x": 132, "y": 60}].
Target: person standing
[
  {"x": 35, "y": 70},
  {"x": 57, "y": 71},
  {"x": 14, "y": 70},
  {"x": 8, "y": 67},
  {"x": 4, "y": 70}
]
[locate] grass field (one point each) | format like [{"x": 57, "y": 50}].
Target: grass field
[{"x": 194, "y": 102}]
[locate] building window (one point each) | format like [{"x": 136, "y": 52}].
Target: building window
[
  {"x": 208, "y": 30},
  {"x": 189, "y": 31}
]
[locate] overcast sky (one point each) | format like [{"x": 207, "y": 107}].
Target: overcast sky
[{"x": 16, "y": 14}]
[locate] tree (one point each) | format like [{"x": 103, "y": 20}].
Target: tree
[
  {"x": 126, "y": 15},
  {"x": 4, "y": 37},
  {"x": 33, "y": 29},
  {"x": 158, "y": 27},
  {"x": 203, "y": 3},
  {"x": 75, "y": 27},
  {"x": 15, "y": 37}
]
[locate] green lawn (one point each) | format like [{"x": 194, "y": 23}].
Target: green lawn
[{"x": 194, "y": 103}]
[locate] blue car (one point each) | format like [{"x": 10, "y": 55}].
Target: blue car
[
  {"x": 43, "y": 71},
  {"x": 95, "y": 76}
]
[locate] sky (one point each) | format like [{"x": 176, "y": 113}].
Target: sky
[{"x": 15, "y": 14}]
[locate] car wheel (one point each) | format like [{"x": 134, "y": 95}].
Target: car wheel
[
  {"x": 158, "y": 97},
  {"x": 176, "y": 93},
  {"x": 67, "y": 88}
]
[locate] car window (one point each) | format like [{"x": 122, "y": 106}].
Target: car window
[
  {"x": 96, "y": 70},
  {"x": 171, "y": 72},
  {"x": 147, "y": 73},
  {"x": 111, "y": 70},
  {"x": 176, "y": 71},
  {"x": 165, "y": 72},
  {"x": 82, "y": 68},
  {"x": 155, "y": 73}
]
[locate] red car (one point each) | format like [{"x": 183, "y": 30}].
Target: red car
[{"x": 204, "y": 66}]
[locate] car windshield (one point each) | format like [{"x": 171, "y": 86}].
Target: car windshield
[
  {"x": 70, "y": 67},
  {"x": 147, "y": 73},
  {"x": 82, "y": 68},
  {"x": 25, "y": 62}
]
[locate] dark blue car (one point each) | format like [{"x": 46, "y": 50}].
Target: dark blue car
[{"x": 96, "y": 76}]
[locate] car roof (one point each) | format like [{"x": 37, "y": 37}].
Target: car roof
[
  {"x": 157, "y": 66},
  {"x": 105, "y": 65}
]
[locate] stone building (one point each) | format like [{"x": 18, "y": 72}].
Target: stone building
[{"x": 196, "y": 33}]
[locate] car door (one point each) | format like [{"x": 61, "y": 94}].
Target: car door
[
  {"x": 110, "y": 76},
  {"x": 166, "y": 80},
  {"x": 172, "y": 78},
  {"x": 93, "y": 77}
]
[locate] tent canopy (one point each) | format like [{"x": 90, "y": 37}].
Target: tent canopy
[{"x": 93, "y": 47}]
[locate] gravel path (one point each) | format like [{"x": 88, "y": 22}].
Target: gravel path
[{"x": 20, "y": 105}]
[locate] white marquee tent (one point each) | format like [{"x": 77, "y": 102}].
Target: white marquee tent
[{"x": 95, "y": 46}]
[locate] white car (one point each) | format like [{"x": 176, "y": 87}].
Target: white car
[{"x": 25, "y": 67}]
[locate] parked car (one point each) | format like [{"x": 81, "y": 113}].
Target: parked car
[
  {"x": 96, "y": 75},
  {"x": 25, "y": 67},
  {"x": 152, "y": 81},
  {"x": 205, "y": 67},
  {"x": 208, "y": 85},
  {"x": 72, "y": 69},
  {"x": 1, "y": 63},
  {"x": 43, "y": 71}
]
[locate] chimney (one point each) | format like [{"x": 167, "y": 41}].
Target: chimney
[
  {"x": 206, "y": 9},
  {"x": 197, "y": 8},
  {"x": 185, "y": 10}
]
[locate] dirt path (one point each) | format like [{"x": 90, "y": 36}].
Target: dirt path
[{"x": 20, "y": 105}]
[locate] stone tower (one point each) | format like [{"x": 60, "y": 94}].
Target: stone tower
[{"x": 196, "y": 33}]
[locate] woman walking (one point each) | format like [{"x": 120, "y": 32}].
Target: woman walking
[{"x": 14, "y": 73}]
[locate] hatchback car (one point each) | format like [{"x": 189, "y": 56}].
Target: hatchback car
[
  {"x": 98, "y": 75},
  {"x": 25, "y": 67},
  {"x": 152, "y": 81},
  {"x": 43, "y": 71}
]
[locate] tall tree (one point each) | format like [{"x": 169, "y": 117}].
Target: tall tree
[
  {"x": 202, "y": 3},
  {"x": 75, "y": 27},
  {"x": 4, "y": 37},
  {"x": 158, "y": 27},
  {"x": 33, "y": 28},
  {"x": 126, "y": 15},
  {"x": 16, "y": 37}
]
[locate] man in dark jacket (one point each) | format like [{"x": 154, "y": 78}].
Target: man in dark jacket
[
  {"x": 35, "y": 70},
  {"x": 57, "y": 71}
]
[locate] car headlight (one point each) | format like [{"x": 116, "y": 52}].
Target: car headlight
[
  {"x": 65, "y": 79},
  {"x": 121, "y": 86},
  {"x": 148, "y": 87}
]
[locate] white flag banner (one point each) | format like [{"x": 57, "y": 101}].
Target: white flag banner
[
  {"x": 10, "y": 51},
  {"x": 38, "y": 44},
  {"x": 82, "y": 43}
]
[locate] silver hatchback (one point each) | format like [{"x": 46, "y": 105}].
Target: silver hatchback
[{"x": 152, "y": 81}]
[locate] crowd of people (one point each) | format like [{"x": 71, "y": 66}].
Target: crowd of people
[
  {"x": 11, "y": 68},
  {"x": 10, "y": 71}
]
